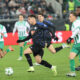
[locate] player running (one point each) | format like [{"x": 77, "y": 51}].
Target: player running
[
  {"x": 23, "y": 28},
  {"x": 51, "y": 30},
  {"x": 3, "y": 34},
  {"x": 38, "y": 44},
  {"x": 76, "y": 46}
]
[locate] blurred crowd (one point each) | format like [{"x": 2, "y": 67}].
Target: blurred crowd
[{"x": 12, "y": 8}]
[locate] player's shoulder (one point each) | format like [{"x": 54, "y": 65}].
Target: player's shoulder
[
  {"x": 26, "y": 22},
  {"x": 47, "y": 21},
  {"x": 41, "y": 24},
  {"x": 77, "y": 22}
]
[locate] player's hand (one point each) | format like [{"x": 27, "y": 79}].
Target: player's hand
[
  {"x": 2, "y": 34},
  {"x": 56, "y": 38},
  {"x": 69, "y": 40},
  {"x": 19, "y": 41}
]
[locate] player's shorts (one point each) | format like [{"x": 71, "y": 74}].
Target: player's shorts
[
  {"x": 48, "y": 44},
  {"x": 21, "y": 38},
  {"x": 37, "y": 50},
  {"x": 76, "y": 48},
  {"x": 1, "y": 45}
]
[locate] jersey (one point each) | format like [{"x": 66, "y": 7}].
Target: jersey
[
  {"x": 2, "y": 30},
  {"x": 51, "y": 27},
  {"x": 39, "y": 36},
  {"x": 76, "y": 31},
  {"x": 22, "y": 27},
  {"x": 46, "y": 32}
]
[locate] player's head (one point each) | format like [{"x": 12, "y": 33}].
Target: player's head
[
  {"x": 32, "y": 19},
  {"x": 40, "y": 17},
  {"x": 78, "y": 11},
  {"x": 72, "y": 16},
  {"x": 21, "y": 17}
]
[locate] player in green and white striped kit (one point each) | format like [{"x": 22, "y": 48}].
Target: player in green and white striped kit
[
  {"x": 3, "y": 34},
  {"x": 78, "y": 14},
  {"x": 22, "y": 27},
  {"x": 76, "y": 46}
]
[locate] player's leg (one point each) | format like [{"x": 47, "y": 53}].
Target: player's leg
[
  {"x": 25, "y": 43},
  {"x": 54, "y": 50},
  {"x": 74, "y": 51},
  {"x": 72, "y": 65},
  {"x": 3, "y": 53},
  {"x": 78, "y": 68},
  {"x": 21, "y": 50},
  {"x": 21, "y": 47},
  {"x": 45, "y": 63},
  {"x": 27, "y": 53}
]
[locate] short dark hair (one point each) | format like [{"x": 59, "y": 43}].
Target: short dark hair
[
  {"x": 78, "y": 6},
  {"x": 40, "y": 14},
  {"x": 74, "y": 13},
  {"x": 32, "y": 16},
  {"x": 21, "y": 15}
]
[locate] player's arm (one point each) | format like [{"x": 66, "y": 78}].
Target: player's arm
[
  {"x": 74, "y": 33},
  {"x": 28, "y": 26},
  {"x": 51, "y": 28},
  {"x": 15, "y": 28},
  {"x": 2, "y": 54},
  {"x": 4, "y": 33},
  {"x": 27, "y": 38}
]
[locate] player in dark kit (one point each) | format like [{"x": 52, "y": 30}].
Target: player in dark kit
[
  {"x": 38, "y": 44},
  {"x": 51, "y": 29},
  {"x": 49, "y": 34}
]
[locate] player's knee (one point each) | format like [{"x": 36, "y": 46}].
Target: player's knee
[
  {"x": 25, "y": 52},
  {"x": 38, "y": 61},
  {"x": 71, "y": 57},
  {"x": 53, "y": 51},
  {"x": 0, "y": 50}
]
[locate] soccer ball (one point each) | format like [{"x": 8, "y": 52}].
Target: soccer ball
[{"x": 9, "y": 71}]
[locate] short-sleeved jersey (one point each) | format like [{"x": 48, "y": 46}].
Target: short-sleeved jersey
[
  {"x": 2, "y": 30},
  {"x": 22, "y": 27},
  {"x": 76, "y": 31}
]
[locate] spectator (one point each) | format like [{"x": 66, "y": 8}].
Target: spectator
[
  {"x": 71, "y": 6},
  {"x": 12, "y": 3}
]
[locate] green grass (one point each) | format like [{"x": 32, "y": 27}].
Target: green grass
[{"x": 59, "y": 59}]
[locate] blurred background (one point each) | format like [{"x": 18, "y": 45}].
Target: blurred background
[{"x": 55, "y": 10}]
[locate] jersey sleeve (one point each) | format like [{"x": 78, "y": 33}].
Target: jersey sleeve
[
  {"x": 28, "y": 26},
  {"x": 15, "y": 28},
  {"x": 75, "y": 32},
  {"x": 4, "y": 32},
  {"x": 76, "y": 29}
]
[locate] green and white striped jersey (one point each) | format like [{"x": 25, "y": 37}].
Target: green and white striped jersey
[
  {"x": 2, "y": 30},
  {"x": 22, "y": 27},
  {"x": 76, "y": 31}
]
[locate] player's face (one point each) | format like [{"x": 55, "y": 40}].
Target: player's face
[
  {"x": 40, "y": 18},
  {"x": 77, "y": 11},
  {"x": 31, "y": 20},
  {"x": 71, "y": 18},
  {"x": 21, "y": 18}
]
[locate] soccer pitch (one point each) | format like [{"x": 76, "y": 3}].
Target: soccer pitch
[{"x": 59, "y": 59}]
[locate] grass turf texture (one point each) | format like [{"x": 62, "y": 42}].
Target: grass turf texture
[{"x": 60, "y": 59}]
